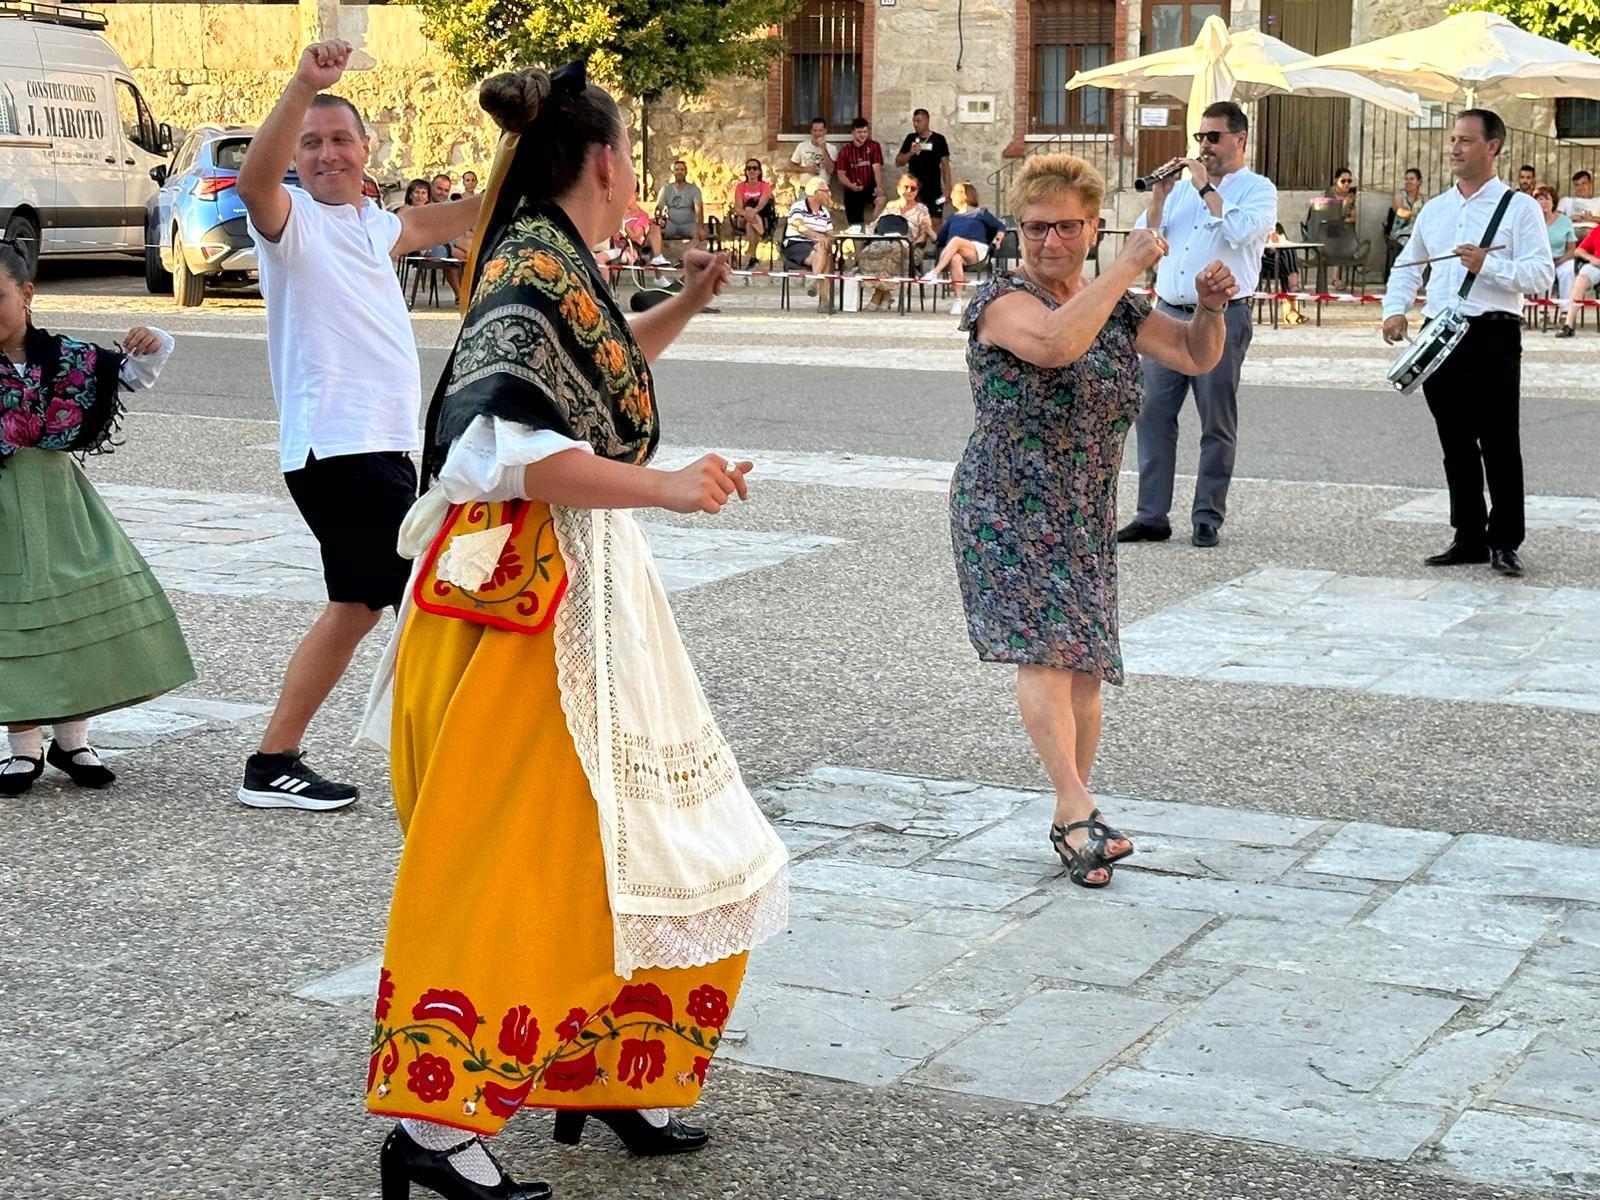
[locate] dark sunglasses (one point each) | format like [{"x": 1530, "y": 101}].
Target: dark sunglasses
[
  {"x": 1208, "y": 137},
  {"x": 752, "y": 166},
  {"x": 1067, "y": 231}
]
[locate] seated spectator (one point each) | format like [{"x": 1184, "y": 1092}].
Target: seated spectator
[
  {"x": 965, "y": 240},
  {"x": 417, "y": 192},
  {"x": 680, "y": 209},
  {"x": 808, "y": 237},
  {"x": 469, "y": 184},
  {"x": 1527, "y": 178},
  {"x": 441, "y": 188},
  {"x": 640, "y": 233},
  {"x": 1581, "y": 205},
  {"x": 1563, "y": 242},
  {"x": 1284, "y": 267},
  {"x": 860, "y": 168},
  {"x": 1403, "y": 210},
  {"x": 886, "y": 258},
  {"x": 1588, "y": 276},
  {"x": 753, "y": 210}
]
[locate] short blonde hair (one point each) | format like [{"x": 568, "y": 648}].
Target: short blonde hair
[
  {"x": 968, "y": 192},
  {"x": 1045, "y": 176}
]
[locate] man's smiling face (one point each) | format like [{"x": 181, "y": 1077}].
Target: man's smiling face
[{"x": 331, "y": 156}]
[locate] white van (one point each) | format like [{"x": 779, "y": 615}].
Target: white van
[{"x": 77, "y": 141}]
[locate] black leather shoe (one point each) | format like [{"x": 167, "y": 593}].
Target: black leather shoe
[
  {"x": 83, "y": 766},
  {"x": 1141, "y": 531},
  {"x": 402, "y": 1163},
  {"x": 1458, "y": 554},
  {"x": 14, "y": 783},
  {"x": 1204, "y": 536},
  {"x": 1506, "y": 562},
  {"x": 636, "y": 1133}
]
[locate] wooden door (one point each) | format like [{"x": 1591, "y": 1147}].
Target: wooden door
[{"x": 1166, "y": 25}]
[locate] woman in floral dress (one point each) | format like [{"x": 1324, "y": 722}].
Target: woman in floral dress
[
  {"x": 1053, "y": 361},
  {"x": 584, "y": 869}
]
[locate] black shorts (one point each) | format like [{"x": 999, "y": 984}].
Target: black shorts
[
  {"x": 767, "y": 214},
  {"x": 797, "y": 253},
  {"x": 858, "y": 204},
  {"x": 354, "y": 504},
  {"x": 934, "y": 205}
]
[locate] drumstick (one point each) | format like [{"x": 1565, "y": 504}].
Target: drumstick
[{"x": 1424, "y": 261}]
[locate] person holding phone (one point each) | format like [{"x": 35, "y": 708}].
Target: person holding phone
[{"x": 926, "y": 155}]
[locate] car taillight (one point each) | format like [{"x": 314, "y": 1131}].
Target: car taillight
[{"x": 208, "y": 189}]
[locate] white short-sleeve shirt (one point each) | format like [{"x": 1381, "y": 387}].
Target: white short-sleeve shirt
[{"x": 344, "y": 362}]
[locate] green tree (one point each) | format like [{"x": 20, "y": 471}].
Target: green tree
[
  {"x": 644, "y": 47},
  {"x": 1575, "y": 23}
]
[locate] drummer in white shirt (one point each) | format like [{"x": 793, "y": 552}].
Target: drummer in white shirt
[{"x": 1476, "y": 393}]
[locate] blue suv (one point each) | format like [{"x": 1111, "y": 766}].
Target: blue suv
[
  {"x": 195, "y": 225},
  {"x": 195, "y": 231}
]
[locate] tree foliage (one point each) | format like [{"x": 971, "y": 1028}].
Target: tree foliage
[
  {"x": 1574, "y": 23},
  {"x": 644, "y": 47}
]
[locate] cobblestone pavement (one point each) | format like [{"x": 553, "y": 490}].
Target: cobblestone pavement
[
  {"x": 1343, "y": 987},
  {"x": 1356, "y": 956}
]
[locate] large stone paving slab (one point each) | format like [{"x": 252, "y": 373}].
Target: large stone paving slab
[
  {"x": 233, "y": 544},
  {"x": 1581, "y": 513},
  {"x": 1498, "y": 642},
  {"x": 1341, "y": 987}
]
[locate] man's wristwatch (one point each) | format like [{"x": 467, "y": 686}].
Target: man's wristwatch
[{"x": 1206, "y": 191}]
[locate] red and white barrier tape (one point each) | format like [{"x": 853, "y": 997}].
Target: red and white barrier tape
[{"x": 896, "y": 280}]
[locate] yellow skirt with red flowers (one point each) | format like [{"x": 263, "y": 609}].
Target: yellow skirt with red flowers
[{"x": 498, "y": 989}]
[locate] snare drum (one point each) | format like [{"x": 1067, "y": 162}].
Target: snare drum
[{"x": 1424, "y": 356}]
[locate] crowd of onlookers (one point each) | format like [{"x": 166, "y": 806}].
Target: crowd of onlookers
[{"x": 845, "y": 214}]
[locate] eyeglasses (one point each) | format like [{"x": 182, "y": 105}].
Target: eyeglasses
[
  {"x": 1208, "y": 137},
  {"x": 1067, "y": 231},
  {"x": 752, "y": 167}
]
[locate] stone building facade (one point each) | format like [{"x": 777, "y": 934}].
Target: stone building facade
[{"x": 989, "y": 71}]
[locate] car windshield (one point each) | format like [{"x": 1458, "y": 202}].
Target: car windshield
[{"x": 229, "y": 155}]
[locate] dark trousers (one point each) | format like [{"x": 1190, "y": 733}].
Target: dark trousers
[
  {"x": 1475, "y": 399},
  {"x": 1216, "y": 396}
]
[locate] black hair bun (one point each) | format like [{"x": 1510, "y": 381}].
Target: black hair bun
[{"x": 513, "y": 98}]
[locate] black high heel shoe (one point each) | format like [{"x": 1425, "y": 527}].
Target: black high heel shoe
[
  {"x": 402, "y": 1163},
  {"x": 636, "y": 1133}
]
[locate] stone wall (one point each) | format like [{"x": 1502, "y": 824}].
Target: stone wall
[{"x": 228, "y": 63}]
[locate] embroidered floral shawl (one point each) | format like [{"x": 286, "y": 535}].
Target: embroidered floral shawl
[
  {"x": 65, "y": 397},
  {"x": 545, "y": 345}
]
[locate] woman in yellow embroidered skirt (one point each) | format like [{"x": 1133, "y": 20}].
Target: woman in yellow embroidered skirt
[{"x": 583, "y": 868}]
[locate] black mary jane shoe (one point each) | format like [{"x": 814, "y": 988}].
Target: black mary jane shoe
[
  {"x": 402, "y": 1162},
  {"x": 87, "y": 772},
  {"x": 636, "y": 1133},
  {"x": 14, "y": 783}
]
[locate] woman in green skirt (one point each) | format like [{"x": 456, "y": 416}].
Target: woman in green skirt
[{"x": 84, "y": 627}]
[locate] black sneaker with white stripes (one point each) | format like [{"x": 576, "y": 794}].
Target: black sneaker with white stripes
[{"x": 287, "y": 781}]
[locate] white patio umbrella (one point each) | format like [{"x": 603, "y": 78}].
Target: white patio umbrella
[
  {"x": 1472, "y": 57},
  {"x": 1247, "y": 65}
]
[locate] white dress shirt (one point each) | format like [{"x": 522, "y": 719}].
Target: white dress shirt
[
  {"x": 1196, "y": 238},
  {"x": 1524, "y": 268}
]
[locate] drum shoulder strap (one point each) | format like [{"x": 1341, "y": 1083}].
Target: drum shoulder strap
[{"x": 1488, "y": 239}]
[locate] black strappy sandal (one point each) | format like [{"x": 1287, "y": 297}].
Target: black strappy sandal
[
  {"x": 1082, "y": 861},
  {"x": 14, "y": 783},
  {"x": 1100, "y": 831}
]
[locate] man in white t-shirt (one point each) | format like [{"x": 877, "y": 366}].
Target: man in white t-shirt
[
  {"x": 348, "y": 386},
  {"x": 812, "y": 158},
  {"x": 1581, "y": 205}
]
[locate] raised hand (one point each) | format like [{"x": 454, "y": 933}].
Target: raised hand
[
  {"x": 323, "y": 63},
  {"x": 1215, "y": 285},
  {"x": 706, "y": 484},
  {"x": 704, "y": 276},
  {"x": 1146, "y": 248},
  {"x": 140, "y": 341}
]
